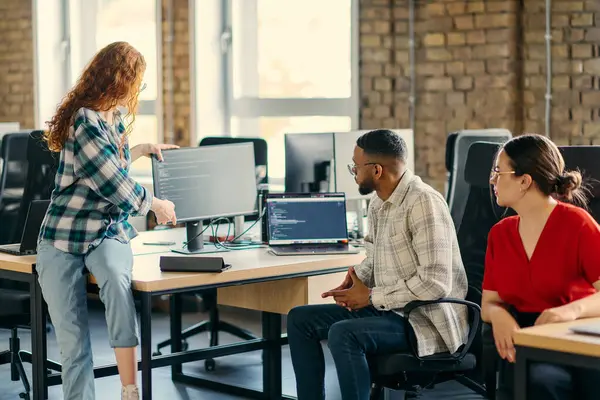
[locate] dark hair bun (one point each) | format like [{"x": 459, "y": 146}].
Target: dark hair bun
[{"x": 567, "y": 183}]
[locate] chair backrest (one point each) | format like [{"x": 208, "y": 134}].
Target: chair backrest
[
  {"x": 13, "y": 152},
  {"x": 260, "y": 150},
  {"x": 41, "y": 173},
  {"x": 450, "y": 141},
  {"x": 458, "y": 188},
  {"x": 481, "y": 211},
  {"x": 587, "y": 160}
]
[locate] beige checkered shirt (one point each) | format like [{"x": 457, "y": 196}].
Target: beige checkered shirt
[{"x": 412, "y": 254}]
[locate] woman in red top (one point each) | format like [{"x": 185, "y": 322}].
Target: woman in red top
[{"x": 543, "y": 265}]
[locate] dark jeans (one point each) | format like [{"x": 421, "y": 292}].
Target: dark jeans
[
  {"x": 552, "y": 382},
  {"x": 351, "y": 335}
]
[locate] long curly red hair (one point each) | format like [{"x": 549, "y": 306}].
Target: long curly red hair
[{"x": 112, "y": 78}]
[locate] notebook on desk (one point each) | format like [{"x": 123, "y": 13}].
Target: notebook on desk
[
  {"x": 591, "y": 329},
  {"x": 307, "y": 224}
]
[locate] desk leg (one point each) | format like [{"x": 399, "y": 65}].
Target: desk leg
[
  {"x": 175, "y": 318},
  {"x": 521, "y": 371},
  {"x": 146, "y": 339},
  {"x": 271, "y": 326},
  {"x": 38, "y": 340}
]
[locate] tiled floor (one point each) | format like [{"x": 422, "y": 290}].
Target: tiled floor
[{"x": 241, "y": 369}]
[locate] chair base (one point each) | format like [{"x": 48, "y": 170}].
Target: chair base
[
  {"x": 213, "y": 325},
  {"x": 16, "y": 357},
  {"x": 413, "y": 390}
]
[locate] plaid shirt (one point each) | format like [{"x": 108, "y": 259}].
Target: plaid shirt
[
  {"x": 412, "y": 254},
  {"x": 94, "y": 194}
]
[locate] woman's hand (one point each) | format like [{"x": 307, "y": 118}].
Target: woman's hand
[
  {"x": 504, "y": 326},
  {"x": 148, "y": 149},
  {"x": 164, "y": 211},
  {"x": 564, "y": 313}
]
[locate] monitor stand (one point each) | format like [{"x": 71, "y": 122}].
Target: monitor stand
[
  {"x": 238, "y": 229},
  {"x": 195, "y": 241}
]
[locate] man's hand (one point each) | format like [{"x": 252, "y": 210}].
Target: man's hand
[
  {"x": 346, "y": 284},
  {"x": 355, "y": 297},
  {"x": 147, "y": 149},
  {"x": 564, "y": 313}
]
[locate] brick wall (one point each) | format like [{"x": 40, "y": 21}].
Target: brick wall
[
  {"x": 180, "y": 101},
  {"x": 16, "y": 62},
  {"x": 479, "y": 64}
]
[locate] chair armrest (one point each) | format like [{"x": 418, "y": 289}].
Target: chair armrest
[{"x": 474, "y": 325}]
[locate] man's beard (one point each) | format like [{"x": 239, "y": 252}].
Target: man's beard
[{"x": 366, "y": 188}]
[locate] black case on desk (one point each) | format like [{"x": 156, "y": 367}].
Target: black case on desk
[{"x": 192, "y": 264}]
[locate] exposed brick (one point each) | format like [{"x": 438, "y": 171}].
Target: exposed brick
[
  {"x": 593, "y": 35},
  {"x": 435, "y": 9},
  {"x": 561, "y": 82},
  {"x": 438, "y": 54},
  {"x": 383, "y": 84},
  {"x": 584, "y": 51},
  {"x": 476, "y": 37},
  {"x": 431, "y": 69},
  {"x": 455, "y": 98},
  {"x": 500, "y": 6},
  {"x": 457, "y": 8},
  {"x": 567, "y": 5},
  {"x": 592, "y": 66},
  {"x": 590, "y": 98},
  {"x": 491, "y": 51},
  {"x": 583, "y": 19},
  {"x": 489, "y": 21},
  {"x": 456, "y": 39},
  {"x": 434, "y": 40},
  {"x": 463, "y": 83},
  {"x": 370, "y": 41},
  {"x": 475, "y": 67},
  {"x": 438, "y": 84},
  {"x": 464, "y": 22},
  {"x": 476, "y": 6},
  {"x": 455, "y": 68}
]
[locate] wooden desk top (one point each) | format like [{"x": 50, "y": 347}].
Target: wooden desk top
[
  {"x": 246, "y": 264},
  {"x": 558, "y": 337}
]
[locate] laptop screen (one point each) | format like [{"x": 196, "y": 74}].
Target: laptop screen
[{"x": 307, "y": 219}]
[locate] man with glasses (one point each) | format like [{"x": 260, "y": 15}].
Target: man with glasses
[{"x": 411, "y": 254}]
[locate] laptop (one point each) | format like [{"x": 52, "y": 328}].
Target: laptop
[
  {"x": 28, "y": 245},
  {"x": 307, "y": 224}
]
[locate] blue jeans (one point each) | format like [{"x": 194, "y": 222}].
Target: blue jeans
[
  {"x": 351, "y": 335},
  {"x": 63, "y": 281}
]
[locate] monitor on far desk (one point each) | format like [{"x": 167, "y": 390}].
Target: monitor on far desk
[{"x": 205, "y": 183}]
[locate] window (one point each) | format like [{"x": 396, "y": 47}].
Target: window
[
  {"x": 281, "y": 66},
  {"x": 95, "y": 23}
]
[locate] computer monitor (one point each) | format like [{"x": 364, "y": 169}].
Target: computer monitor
[
  {"x": 308, "y": 159},
  {"x": 204, "y": 183},
  {"x": 344, "y": 143}
]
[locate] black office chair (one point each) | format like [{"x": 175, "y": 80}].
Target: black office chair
[
  {"x": 13, "y": 153},
  {"x": 214, "y": 324},
  {"x": 408, "y": 372},
  {"x": 586, "y": 159},
  {"x": 458, "y": 144},
  {"x": 15, "y": 310}
]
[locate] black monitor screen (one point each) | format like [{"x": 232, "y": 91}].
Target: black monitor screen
[
  {"x": 207, "y": 182},
  {"x": 308, "y": 159},
  {"x": 294, "y": 220}
]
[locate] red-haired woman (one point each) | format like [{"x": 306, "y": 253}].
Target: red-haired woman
[{"x": 86, "y": 223}]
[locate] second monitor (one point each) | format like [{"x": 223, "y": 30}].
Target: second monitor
[{"x": 205, "y": 183}]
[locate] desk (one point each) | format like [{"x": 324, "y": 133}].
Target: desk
[
  {"x": 554, "y": 343},
  {"x": 249, "y": 267}
]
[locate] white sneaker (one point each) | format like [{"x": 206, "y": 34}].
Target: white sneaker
[{"x": 130, "y": 392}]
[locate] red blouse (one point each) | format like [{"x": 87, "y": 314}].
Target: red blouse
[{"x": 563, "y": 267}]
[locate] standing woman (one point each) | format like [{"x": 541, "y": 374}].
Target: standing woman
[{"x": 86, "y": 223}]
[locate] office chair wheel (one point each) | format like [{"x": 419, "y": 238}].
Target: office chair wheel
[
  {"x": 209, "y": 365},
  {"x": 156, "y": 353},
  {"x": 24, "y": 396}
]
